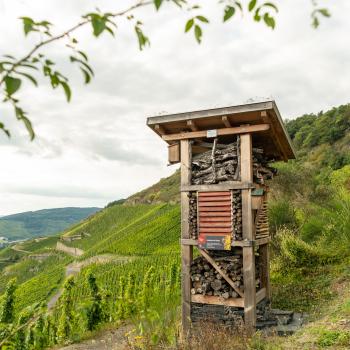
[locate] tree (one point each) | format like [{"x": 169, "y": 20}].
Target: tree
[
  {"x": 13, "y": 70},
  {"x": 95, "y": 312}
]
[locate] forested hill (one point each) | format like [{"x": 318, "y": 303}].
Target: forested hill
[
  {"x": 42, "y": 222},
  {"x": 321, "y": 139}
]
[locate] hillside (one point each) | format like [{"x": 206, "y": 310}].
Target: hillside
[
  {"x": 41, "y": 222},
  {"x": 309, "y": 215}
]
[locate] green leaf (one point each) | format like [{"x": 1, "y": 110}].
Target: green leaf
[
  {"x": 324, "y": 12},
  {"x": 270, "y": 4},
  {"x": 87, "y": 76},
  {"x": 29, "y": 77},
  {"x": 27, "y": 24},
  {"x": 158, "y": 3},
  {"x": 239, "y": 5},
  {"x": 142, "y": 39},
  {"x": 251, "y": 5},
  {"x": 189, "y": 25},
  {"x": 315, "y": 22},
  {"x": 12, "y": 85},
  {"x": 203, "y": 19},
  {"x": 98, "y": 25},
  {"x": 198, "y": 33},
  {"x": 67, "y": 90},
  {"x": 2, "y": 127},
  {"x": 83, "y": 54},
  {"x": 229, "y": 12},
  {"x": 270, "y": 21},
  {"x": 21, "y": 115}
]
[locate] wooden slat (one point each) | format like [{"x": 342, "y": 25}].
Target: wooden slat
[
  {"x": 213, "y": 199},
  {"x": 192, "y": 125},
  {"x": 228, "y": 185},
  {"x": 226, "y": 121},
  {"x": 226, "y": 214},
  {"x": 220, "y": 132},
  {"x": 215, "y": 229},
  {"x": 216, "y": 219},
  {"x": 212, "y": 193},
  {"x": 215, "y": 224},
  {"x": 212, "y": 300},
  {"x": 222, "y": 273},
  {"x": 211, "y": 209},
  {"x": 215, "y": 204},
  {"x": 260, "y": 295}
]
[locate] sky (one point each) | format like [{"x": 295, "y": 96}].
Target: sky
[{"x": 97, "y": 148}]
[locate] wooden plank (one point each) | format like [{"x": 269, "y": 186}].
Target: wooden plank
[
  {"x": 213, "y": 194},
  {"x": 265, "y": 273},
  {"x": 222, "y": 273},
  {"x": 260, "y": 295},
  {"x": 221, "y": 209},
  {"x": 248, "y": 234},
  {"x": 174, "y": 153},
  {"x": 215, "y": 230},
  {"x": 218, "y": 214},
  {"x": 263, "y": 241},
  {"x": 186, "y": 251},
  {"x": 212, "y": 300},
  {"x": 226, "y": 121},
  {"x": 215, "y": 204},
  {"x": 188, "y": 241},
  {"x": 216, "y": 219},
  {"x": 220, "y": 132},
  {"x": 213, "y": 198},
  {"x": 159, "y": 129},
  {"x": 215, "y": 224},
  {"x": 228, "y": 185}
]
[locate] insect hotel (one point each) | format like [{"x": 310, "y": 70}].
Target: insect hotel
[{"x": 224, "y": 155}]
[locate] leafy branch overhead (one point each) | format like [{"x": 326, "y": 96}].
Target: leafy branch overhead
[{"x": 13, "y": 71}]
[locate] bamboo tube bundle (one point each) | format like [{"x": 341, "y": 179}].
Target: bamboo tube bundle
[
  {"x": 262, "y": 223},
  {"x": 192, "y": 217},
  {"x": 237, "y": 215}
]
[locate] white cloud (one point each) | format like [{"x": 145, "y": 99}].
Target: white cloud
[{"x": 97, "y": 148}]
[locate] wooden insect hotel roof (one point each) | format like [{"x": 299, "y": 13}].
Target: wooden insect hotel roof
[{"x": 262, "y": 119}]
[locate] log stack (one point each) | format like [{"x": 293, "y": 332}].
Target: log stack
[
  {"x": 207, "y": 281},
  {"x": 192, "y": 217},
  {"x": 222, "y": 163},
  {"x": 237, "y": 215}
]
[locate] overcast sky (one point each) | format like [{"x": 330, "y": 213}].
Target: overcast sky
[{"x": 97, "y": 148}]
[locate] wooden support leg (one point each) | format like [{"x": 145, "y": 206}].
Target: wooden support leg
[
  {"x": 265, "y": 273},
  {"x": 249, "y": 288},
  {"x": 186, "y": 251},
  {"x": 186, "y": 257}
]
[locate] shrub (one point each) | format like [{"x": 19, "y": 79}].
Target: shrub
[{"x": 281, "y": 213}]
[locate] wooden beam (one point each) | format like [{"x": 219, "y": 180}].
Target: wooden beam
[
  {"x": 265, "y": 273},
  {"x": 219, "y": 132},
  {"x": 248, "y": 234},
  {"x": 186, "y": 250},
  {"x": 225, "y": 186},
  {"x": 226, "y": 121},
  {"x": 212, "y": 300},
  {"x": 276, "y": 138},
  {"x": 159, "y": 129},
  {"x": 222, "y": 273},
  {"x": 260, "y": 295},
  {"x": 192, "y": 125}
]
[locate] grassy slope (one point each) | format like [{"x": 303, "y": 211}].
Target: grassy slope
[{"x": 42, "y": 222}]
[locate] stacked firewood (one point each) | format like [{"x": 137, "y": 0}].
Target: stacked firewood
[
  {"x": 219, "y": 164},
  {"x": 192, "y": 217},
  {"x": 207, "y": 281},
  {"x": 237, "y": 215},
  {"x": 222, "y": 163}
]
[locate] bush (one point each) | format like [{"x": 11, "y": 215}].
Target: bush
[
  {"x": 297, "y": 253},
  {"x": 282, "y": 213}
]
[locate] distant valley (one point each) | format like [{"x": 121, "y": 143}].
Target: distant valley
[{"x": 44, "y": 222}]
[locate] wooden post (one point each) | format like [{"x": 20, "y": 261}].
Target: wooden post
[
  {"x": 265, "y": 274},
  {"x": 186, "y": 250},
  {"x": 248, "y": 234}
]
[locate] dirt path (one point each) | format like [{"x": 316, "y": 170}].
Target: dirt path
[
  {"x": 74, "y": 268},
  {"x": 107, "y": 340},
  {"x": 15, "y": 248}
]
